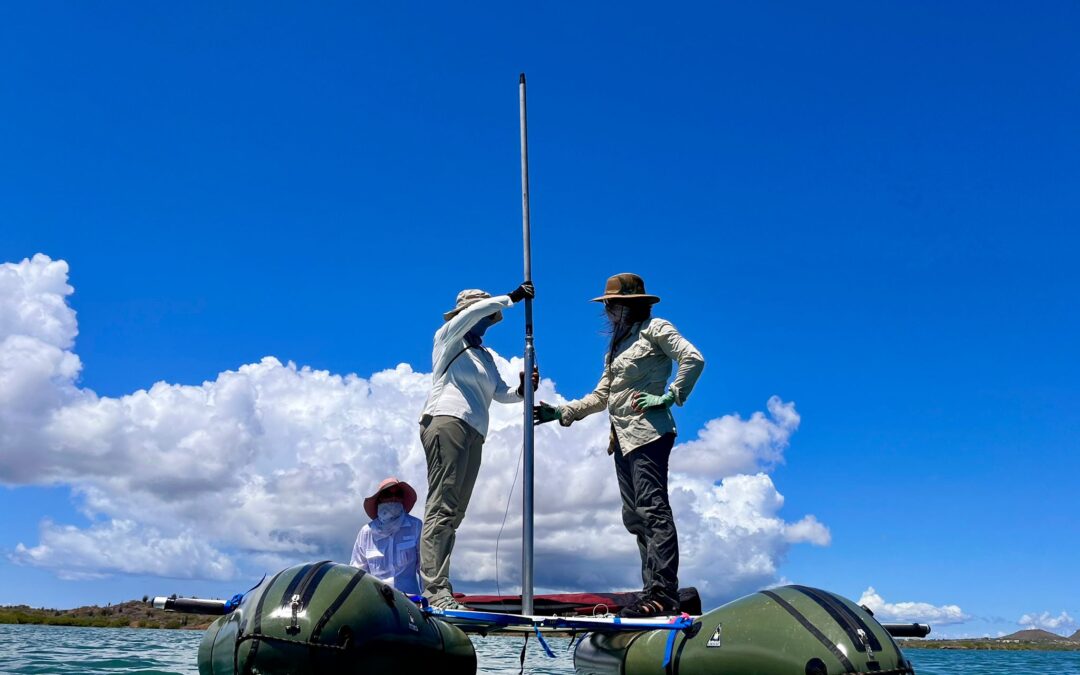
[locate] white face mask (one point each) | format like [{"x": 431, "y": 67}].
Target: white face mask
[{"x": 389, "y": 511}]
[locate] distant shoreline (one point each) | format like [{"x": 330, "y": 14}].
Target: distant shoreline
[
  {"x": 994, "y": 644},
  {"x": 130, "y": 614}
]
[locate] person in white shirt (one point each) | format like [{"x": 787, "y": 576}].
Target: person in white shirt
[
  {"x": 454, "y": 423},
  {"x": 387, "y": 547}
]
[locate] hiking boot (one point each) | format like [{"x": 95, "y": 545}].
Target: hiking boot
[
  {"x": 649, "y": 607},
  {"x": 446, "y": 602}
]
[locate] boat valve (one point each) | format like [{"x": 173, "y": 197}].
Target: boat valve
[{"x": 294, "y": 627}]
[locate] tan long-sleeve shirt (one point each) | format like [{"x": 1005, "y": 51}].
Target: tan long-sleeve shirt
[{"x": 642, "y": 363}]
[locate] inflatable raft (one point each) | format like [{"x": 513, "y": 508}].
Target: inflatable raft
[{"x": 329, "y": 618}]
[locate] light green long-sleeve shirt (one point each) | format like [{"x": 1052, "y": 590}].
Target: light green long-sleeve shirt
[{"x": 642, "y": 363}]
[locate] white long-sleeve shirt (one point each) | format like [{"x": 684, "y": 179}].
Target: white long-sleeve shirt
[
  {"x": 466, "y": 388},
  {"x": 393, "y": 559}
]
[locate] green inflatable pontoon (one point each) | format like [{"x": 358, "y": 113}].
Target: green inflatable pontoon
[
  {"x": 329, "y": 618},
  {"x": 793, "y": 630}
]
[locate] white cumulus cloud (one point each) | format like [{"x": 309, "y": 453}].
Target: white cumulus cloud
[
  {"x": 913, "y": 612},
  {"x": 1048, "y": 621},
  {"x": 268, "y": 464},
  {"x": 731, "y": 445},
  {"x": 104, "y": 549}
]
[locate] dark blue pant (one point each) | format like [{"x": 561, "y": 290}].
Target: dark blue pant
[{"x": 646, "y": 513}]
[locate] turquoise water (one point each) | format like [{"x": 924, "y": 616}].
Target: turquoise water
[
  {"x": 64, "y": 649},
  {"x": 92, "y": 651}
]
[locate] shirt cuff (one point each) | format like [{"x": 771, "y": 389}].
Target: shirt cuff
[{"x": 679, "y": 399}]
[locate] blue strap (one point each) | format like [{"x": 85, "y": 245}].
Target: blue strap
[
  {"x": 543, "y": 643},
  {"x": 419, "y": 600},
  {"x": 668, "y": 649},
  {"x": 682, "y": 623},
  {"x": 233, "y": 602}
]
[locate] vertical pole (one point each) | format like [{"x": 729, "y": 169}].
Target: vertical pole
[{"x": 530, "y": 360}]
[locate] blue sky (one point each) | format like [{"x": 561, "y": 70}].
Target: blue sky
[{"x": 865, "y": 209}]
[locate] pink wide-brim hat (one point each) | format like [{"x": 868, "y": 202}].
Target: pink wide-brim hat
[{"x": 371, "y": 504}]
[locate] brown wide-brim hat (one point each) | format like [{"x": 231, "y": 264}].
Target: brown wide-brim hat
[
  {"x": 371, "y": 504},
  {"x": 470, "y": 296},
  {"x": 626, "y": 286}
]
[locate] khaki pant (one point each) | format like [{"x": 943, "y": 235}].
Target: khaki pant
[{"x": 453, "y": 450}]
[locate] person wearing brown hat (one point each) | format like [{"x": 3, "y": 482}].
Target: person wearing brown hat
[
  {"x": 635, "y": 391},
  {"x": 387, "y": 547},
  {"x": 453, "y": 425}
]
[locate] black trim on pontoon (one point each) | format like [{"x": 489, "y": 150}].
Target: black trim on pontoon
[
  {"x": 842, "y": 614},
  {"x": 256, "y": 628},
  {"x": 310, "y": 582},
  {"x": 316, "y": 632},
  {"x": 813, "y": 630},
  {"x": 290, "y": 590}
]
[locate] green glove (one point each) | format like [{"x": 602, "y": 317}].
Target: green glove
[
  {"x": 642, "y": 401},
  {"x": 544, "y": 413}
]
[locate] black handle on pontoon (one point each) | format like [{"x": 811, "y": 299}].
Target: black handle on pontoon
[{"x": 915, "y": 630}]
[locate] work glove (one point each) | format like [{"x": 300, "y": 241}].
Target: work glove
[
  {"x": 525, "y": 290},
  {"x": 544, "y": 413},
  {"x": 535, "y": 381},
  {"x": 641, "y": 401}
]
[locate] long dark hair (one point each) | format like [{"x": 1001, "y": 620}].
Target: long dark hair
[{"x": 637, "y": 311}]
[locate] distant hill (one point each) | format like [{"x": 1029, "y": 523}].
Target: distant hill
[
  {"x": 130, "y": 614},
  {"x": 1075, "y": 637},
  {"x": 1037, "y": 635}
]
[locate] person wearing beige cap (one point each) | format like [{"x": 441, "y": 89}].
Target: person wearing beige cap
[
  {"x": 635, "y": 391},
  {"x": 387, "y": 547},
  {"x": 464, "y": 382}
]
